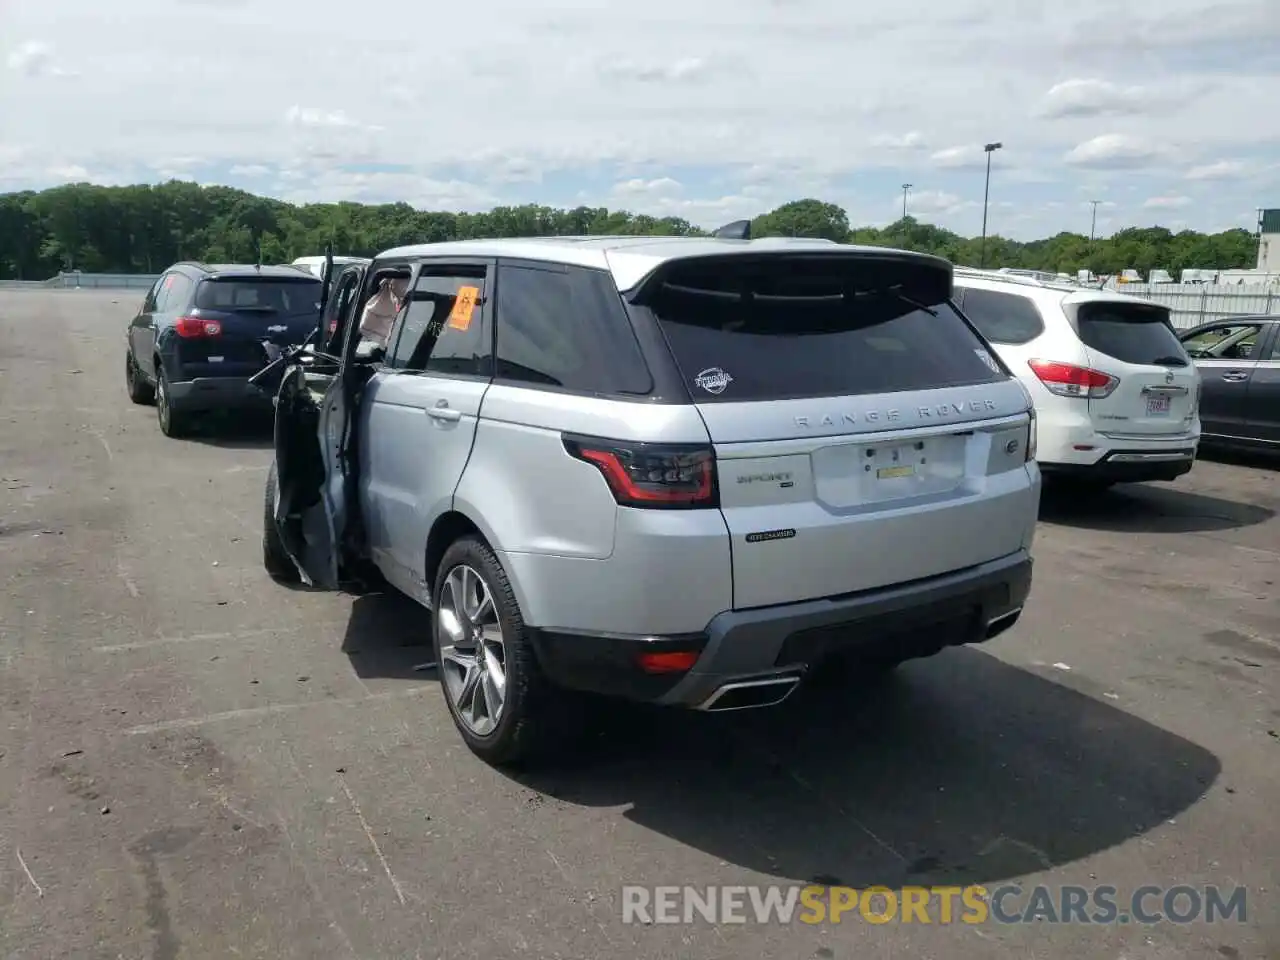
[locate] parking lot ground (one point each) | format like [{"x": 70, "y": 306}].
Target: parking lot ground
[{"x": 198, "y": 763}]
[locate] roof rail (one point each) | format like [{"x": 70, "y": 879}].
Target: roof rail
[
  {"x": 199, "y": 265},
  {"x": 997, "y": 275}
]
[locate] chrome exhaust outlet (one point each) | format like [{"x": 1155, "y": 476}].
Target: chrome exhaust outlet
[
  {"x": 750, "y": 694},
  {"x": 1003, "y": 622}
]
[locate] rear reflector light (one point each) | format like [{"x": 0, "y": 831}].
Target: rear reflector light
[
  {"x": 651, "y": 475},
  {"x": 667, "y": 662},
  {"x": 1068, "y": 380},
  {"x": 1031, "y": 436},
  {"x": 190, "y": 327}
]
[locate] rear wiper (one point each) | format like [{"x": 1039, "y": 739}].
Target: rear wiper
[{"x": 909, "y": 301}]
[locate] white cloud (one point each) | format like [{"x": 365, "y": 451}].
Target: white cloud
[
  {"x": 930, "y": 203},
  {"x": 70, "y": 173},
  {"x": 34, "y": 59},
  {"x": 821, "y": 97},
  {"x": 1219, "y": 170},
  {"x": 1094, "y": 98},
  {"x": 911, "y": 140},
  {"x": 1167, "y": 203},
  {"x": 637, "y": 187},
  {"x": 1115, "y": 151}
]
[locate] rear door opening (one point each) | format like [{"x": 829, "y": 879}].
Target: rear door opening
[
  {"x": 1156, "y": 384},
  {"x": 860, "y": 426}
]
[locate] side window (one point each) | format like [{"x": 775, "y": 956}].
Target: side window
[
  {"x": 179, "y": 293},
  {"x": 1228, "y": 341},
  {"x": 162, "y": 293},
  {"x": 566, "y": 327},
  {"x": 1001, "y": 317},
  {"x": 338, "y": 308},
  {"x": 149, "y": 305},
  {"x": 443, "y": 327}
]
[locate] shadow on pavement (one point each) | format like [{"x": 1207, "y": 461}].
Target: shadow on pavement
[
  {"x": 388, "y": 636},
  {"x": 959, "y": 769},
  {"x": 1147, "y": 508},
  {"x": 234, "y": 431},
  {"x": 1239, "y": 456}
]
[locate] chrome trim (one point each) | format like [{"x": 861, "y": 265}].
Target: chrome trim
[
  {"x": 1150, "y": 457},
  {"x": 1011, "y": 615},
  {"x": 789, "y": 682}
]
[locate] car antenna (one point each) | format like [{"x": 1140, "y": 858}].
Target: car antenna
[{"x": 738, "y": 230}]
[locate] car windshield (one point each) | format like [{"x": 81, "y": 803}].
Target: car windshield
[
  {"x": 1131, "y": 333},
  {"x": 787, "y": 329},
  {"x": 286, "y": 297}
]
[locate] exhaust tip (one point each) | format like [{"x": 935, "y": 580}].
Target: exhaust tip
[
  {"x": 750, "y": 694},
  {"x": 1003, "y": 622}
]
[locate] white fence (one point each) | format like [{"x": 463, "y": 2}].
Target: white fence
[
  {"x": 75, "y": 280},
  {"x": 1192, "y": 304}
]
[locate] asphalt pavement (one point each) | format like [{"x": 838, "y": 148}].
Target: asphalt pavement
[{"x": 196, "y": 762}]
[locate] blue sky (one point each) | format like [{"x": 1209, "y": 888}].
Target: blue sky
[{"x": 710, "y": 111}]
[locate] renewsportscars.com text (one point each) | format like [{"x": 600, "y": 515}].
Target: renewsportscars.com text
[{"x": 1004, "y": 904}]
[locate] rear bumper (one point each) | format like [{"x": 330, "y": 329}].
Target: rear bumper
[
  {"x": 776, "y": 645},
  {"x": 1129, "y": 465},
  {"x": 217, "y": 393}
]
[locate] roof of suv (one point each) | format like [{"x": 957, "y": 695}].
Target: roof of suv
[
  {"x": 247, "y": 271},
  {"x": 630, "y": 259},
  {"x": 1055, "y": 291}
]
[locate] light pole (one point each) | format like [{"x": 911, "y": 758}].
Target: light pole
[
  {"x": 905, "y": 188},
  {"x": 1093, "y": 224},
  {"x": 990, "y": 148}
]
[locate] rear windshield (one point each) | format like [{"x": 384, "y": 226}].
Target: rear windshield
[
  {"x": 1130, "y": 333},
  {"x": 280, "y": 297},
  {"x": 825, "y": 327}
]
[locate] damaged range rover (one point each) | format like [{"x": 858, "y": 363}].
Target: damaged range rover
[{"x": 687, "y": 471}]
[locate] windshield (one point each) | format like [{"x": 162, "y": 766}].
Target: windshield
[
  {"x": 285, "y": 297},
  {"x": 781, "y": 331},
  {"x": 1130, "y": 332}
]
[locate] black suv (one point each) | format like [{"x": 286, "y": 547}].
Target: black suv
[{"x": 204, "y": 330}]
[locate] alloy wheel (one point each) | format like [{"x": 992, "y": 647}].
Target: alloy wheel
[{"x": 473, "y": 655}]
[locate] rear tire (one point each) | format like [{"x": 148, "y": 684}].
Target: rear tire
[
  {"x": 504, "y": 708},
  {"x": 173, "y": 423},
  {"x": 140, "y": 391},
  {"x": 275, "y": 559}
]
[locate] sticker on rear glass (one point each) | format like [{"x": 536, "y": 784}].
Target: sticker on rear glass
[
  {"x": 713, "y": 380},
  {"x": 989, "y": 360},
  {"x": 463, "y": 307}
]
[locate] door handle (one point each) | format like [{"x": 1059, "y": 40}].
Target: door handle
[
  {"x": 441, "y": 411},
  {"x": 1235, "y": 376}
]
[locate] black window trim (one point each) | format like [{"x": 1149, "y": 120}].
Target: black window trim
[
  {"x": 660, "y": 392},
  {"x": 485, "y": 306},
  {"x": 1271, "y": 352}
]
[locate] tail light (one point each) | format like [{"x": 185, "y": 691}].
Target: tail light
[
  {"x": 1068, "y": 380},
  {"x": 191, "y": 327},
  {"x": 651, "y": 475}
]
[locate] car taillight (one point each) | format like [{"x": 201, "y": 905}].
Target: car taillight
[
  {"x": 195, "y": 327},
  {"x": 651, "y": 475},
  {"x": 1068, "y": 380}
]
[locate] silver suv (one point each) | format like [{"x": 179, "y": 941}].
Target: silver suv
[{"x": 684, "y": 471}]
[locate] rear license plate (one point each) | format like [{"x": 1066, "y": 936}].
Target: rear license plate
[
  {"x": 895, "y": 462},
  {"x": 1158, "y": 406}
]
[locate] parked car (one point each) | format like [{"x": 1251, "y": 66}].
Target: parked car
[
  {"x": 202, "y": 331},
  {"x": 1239, "y": 364},
  {"x": 682, "y": 471},
  {"x": 1116, "y": 396}
]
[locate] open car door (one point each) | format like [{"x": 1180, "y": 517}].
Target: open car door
[{"x": 312, "y": 433}]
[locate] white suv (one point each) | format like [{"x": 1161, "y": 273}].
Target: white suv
[
  {"x": 1116, "y": 396},
  {"x": 676, "y": 470}
]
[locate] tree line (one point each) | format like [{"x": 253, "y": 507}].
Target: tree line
[{"x": 143, "y": 229}]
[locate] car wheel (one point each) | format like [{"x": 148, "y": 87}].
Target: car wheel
[
  {"x": 173, "y": 423},
  {"x": 275, "y": 558},
  {"x": 500, "y": 702},
  {"x": 139, "y": 390}
]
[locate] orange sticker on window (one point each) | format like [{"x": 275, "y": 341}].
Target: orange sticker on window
[{"x": 463, "y": 307}]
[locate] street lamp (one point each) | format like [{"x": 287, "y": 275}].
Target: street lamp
[
  {"x": 905, "y": 188},
  {"x": 990, "y": 148}
]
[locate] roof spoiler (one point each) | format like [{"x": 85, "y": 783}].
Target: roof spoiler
[{"x": 738, "y": 230}]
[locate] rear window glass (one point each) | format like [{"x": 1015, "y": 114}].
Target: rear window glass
[
  {"x": 1001, "y": 317},
  {"x": 285, "y": 297},
  {"x": 1130, "y": 333},
  {"x": 786, "y": 330}
]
